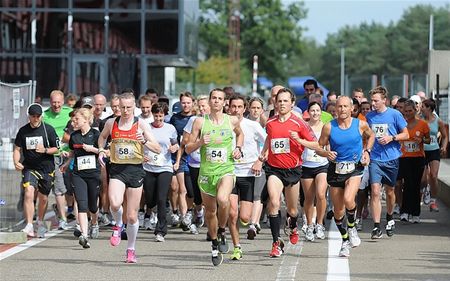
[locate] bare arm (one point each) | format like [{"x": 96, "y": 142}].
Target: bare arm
[
  {"x": 16, "y": 158},
  {"x": 370, "y": 136},
  {"x": 444, "y": 141},
  {"x": 194, "y": 142}
]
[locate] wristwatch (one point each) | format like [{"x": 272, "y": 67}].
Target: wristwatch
[{"x": 393, "y": 138}]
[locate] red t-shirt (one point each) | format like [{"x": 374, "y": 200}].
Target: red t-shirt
[{"x": 285, "y": 152}]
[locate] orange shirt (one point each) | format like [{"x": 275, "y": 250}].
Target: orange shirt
[
  {"x": 411, "y": 148},
  {"x": 362, "y": 117}
]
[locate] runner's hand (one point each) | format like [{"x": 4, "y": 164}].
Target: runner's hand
[
  {"x": 257, "y": 168},
  {"x": 331, "y": 155},
  {"x": 18, "y": 166},
  {"x": 365, "y": 159}
]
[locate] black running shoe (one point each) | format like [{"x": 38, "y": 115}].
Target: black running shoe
[
  {"x": 123, "y": 234},
  {"x": 390, "y": 228},
  {"x": 216, "y": 256},
  {"x": 376, "y": 233},
  {"x": 330, "y": 214}
]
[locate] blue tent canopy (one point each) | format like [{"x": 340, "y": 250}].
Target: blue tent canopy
[{"x": 264, "y": 82}]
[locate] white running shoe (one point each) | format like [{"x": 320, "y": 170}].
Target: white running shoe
[
  {"x": 404, "y": 217},
  {"x": 153, "y": 221},
  {"x": 309, "y": 234},
  {"x": 397, "y": 209},
  {"x": 29, "y": 230},
  {"x": 141, "y": 216},
  {"x": 415, "y": 219},
  {"x": 427, "y": 195},
  {"x": 175, "y": 219},
  {"x": 62, "y": 225},
  {"x": 147, "y": 224},
  {"x": 320, "y": 231},
  {"x": 42, "y": 229},
  {"x": 94, "y": 231},
  {"x": 159, "y": 238},
  {"x": 193, "y": 228},
  {"x": 345, "y": 249},
  {"x": 355, "y": 241}
]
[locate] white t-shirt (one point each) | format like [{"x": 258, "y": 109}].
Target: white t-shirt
[
  {"x": 161, "y": 162},
  {"x": 254, "y": 137},
  {"x": 194, "y": 157}
]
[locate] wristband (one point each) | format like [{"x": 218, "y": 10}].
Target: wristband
[{"x": 145, "y": 141}]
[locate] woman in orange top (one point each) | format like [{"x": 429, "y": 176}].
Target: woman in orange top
[{"x": 412, "y": 163}]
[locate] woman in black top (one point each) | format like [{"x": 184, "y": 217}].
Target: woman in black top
[{"x": 86, "y": 180}]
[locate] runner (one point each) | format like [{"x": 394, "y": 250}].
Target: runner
[
  {"x": 433, "y": 151},
  {"x": 213, "y": 135},
  {"x": 159, "y": 168},
  {"x": 412, "y": 163},
  {"x": 287, "y": 135},
  {"x": 128, "y": 136},
  {"x": 314, "y": 179},
  {"x": 389, "y": 127},
  {"x": 347, "y": 160},
  {"x": 85, "y": 178},
  {"x": 241, "y": 198},
  {"x": 37, "y": 142}
]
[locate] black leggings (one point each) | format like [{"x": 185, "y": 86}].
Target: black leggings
[
  {"x": 156, "y": 188},
  {"x": 86, "y": 190},
  {"x": 195, "y": 188}
]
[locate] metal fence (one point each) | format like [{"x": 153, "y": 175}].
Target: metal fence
[{"x": 15, "y": 99}]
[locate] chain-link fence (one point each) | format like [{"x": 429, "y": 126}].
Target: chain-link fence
[{"x": 15, "y": 99}]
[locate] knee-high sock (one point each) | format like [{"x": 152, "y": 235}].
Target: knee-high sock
[
  {"x": 117, "y": 215},
  {"x": 132, "y": 231}
]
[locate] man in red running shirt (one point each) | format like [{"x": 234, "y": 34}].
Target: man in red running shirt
[{"x": 287, "y": 136}]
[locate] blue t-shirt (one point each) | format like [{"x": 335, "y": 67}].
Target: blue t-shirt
[{"x": 387, "y": 123}]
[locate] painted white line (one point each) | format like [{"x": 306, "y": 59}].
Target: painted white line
[
  {"x": 30, "y": 243},
  {"x": 338, "y": 269},
  {"x": 288, "y": 266}
]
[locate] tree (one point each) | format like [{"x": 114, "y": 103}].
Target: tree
[{"x": 268, "y": 29}]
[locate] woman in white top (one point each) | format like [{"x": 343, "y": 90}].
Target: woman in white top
[
  {"x": 314, "y": 179},
  {"x": 159, "y": 169}
]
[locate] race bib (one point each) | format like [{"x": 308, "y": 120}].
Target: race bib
[
  {"x": 33, "y": 142},
  {"x": 344, "y": 168},
  {"x": 380, "y": 130},
  {"x": 433, "y": 139},
  {"x": 124, "y": 151},
  {"x": 311, "y": 156},
  {"x": 155, "y": 159},
  {"x": 411, "y": 146},
  {"x": 216, "y": 155},
  {"x": 86, "y": 162},
  {"x": 280, "y": 145}
]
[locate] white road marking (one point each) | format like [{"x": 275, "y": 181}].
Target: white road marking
[
  {"x": 338, "y": 269},
  {"x": 288, "y": 266},
  {"x": 30, "y": 243}
]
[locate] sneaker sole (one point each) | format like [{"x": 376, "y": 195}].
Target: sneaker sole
[{"x": 218, "y": 260}]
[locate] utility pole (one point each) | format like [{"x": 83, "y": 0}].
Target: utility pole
[{"x": 234, "y": 45}]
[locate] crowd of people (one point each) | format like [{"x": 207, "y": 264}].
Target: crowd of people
[{"x": 227, "y": 161}]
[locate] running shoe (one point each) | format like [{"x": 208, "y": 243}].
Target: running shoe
[
  {"x": 103, "y": 219},
  {"x": 216, "y": 256},
  {"x": 115, "y": 237},
  {"x": 77, "y": 231},
  {"x": 434, "y": 207},
  {"x": 345, "y": 249},
  {"x": 62, "y": 225},
  {"x": 359, "y": 224},
  {"x": 237, "y": 254},
  {"x": 355, "y": 241},
  {"x": 330, "y": 214},
  {"x": 94, "y": 231},
  {"x": 193, "y": 229},
  {"x": 390, "y": 228},
  {"x": 251, "y": 232},
  {"x": 175, "y": 219},
  {"x": 223, "y": 245},
  {"x": 71, "y": 216},
  {"x": 141, "y": 217},
  {"x": 131, "y": 256},
  {"x": 84, "y": 242},
  {"x": 258, "y": 228},
  {"x": 123, "y": 233},
  {"x": 293, "y": 236},
  {"x": 286, "y": 225},
  {"x": 376, "y": 233},
  {"x": 277, "y": 250},
  {"x": 404, "y": 217},
  {"x": 29, "y": 230},
  {"x": 147, "y": 224},
  {"x": 42, "y": 229},
  {"x": 309, "y": 235},
  {"x": 200, "y": 218},
  {"x": 320, "y": 231},
  {"x": 415, "y": 219},
  {"x": 426, "y": 195},
  {"x": 153, "y": 221},
  {"x": 159, "y": 237}
]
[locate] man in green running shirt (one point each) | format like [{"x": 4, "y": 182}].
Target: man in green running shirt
[{"x": 213, "y": 134}]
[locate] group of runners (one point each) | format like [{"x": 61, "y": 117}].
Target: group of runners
[{"x": 220, "y": 158}]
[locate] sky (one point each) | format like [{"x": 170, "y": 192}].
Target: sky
[{"x": 329, "y": 16}]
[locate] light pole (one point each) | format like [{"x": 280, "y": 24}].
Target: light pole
[{"x": 342, "y": 70}]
